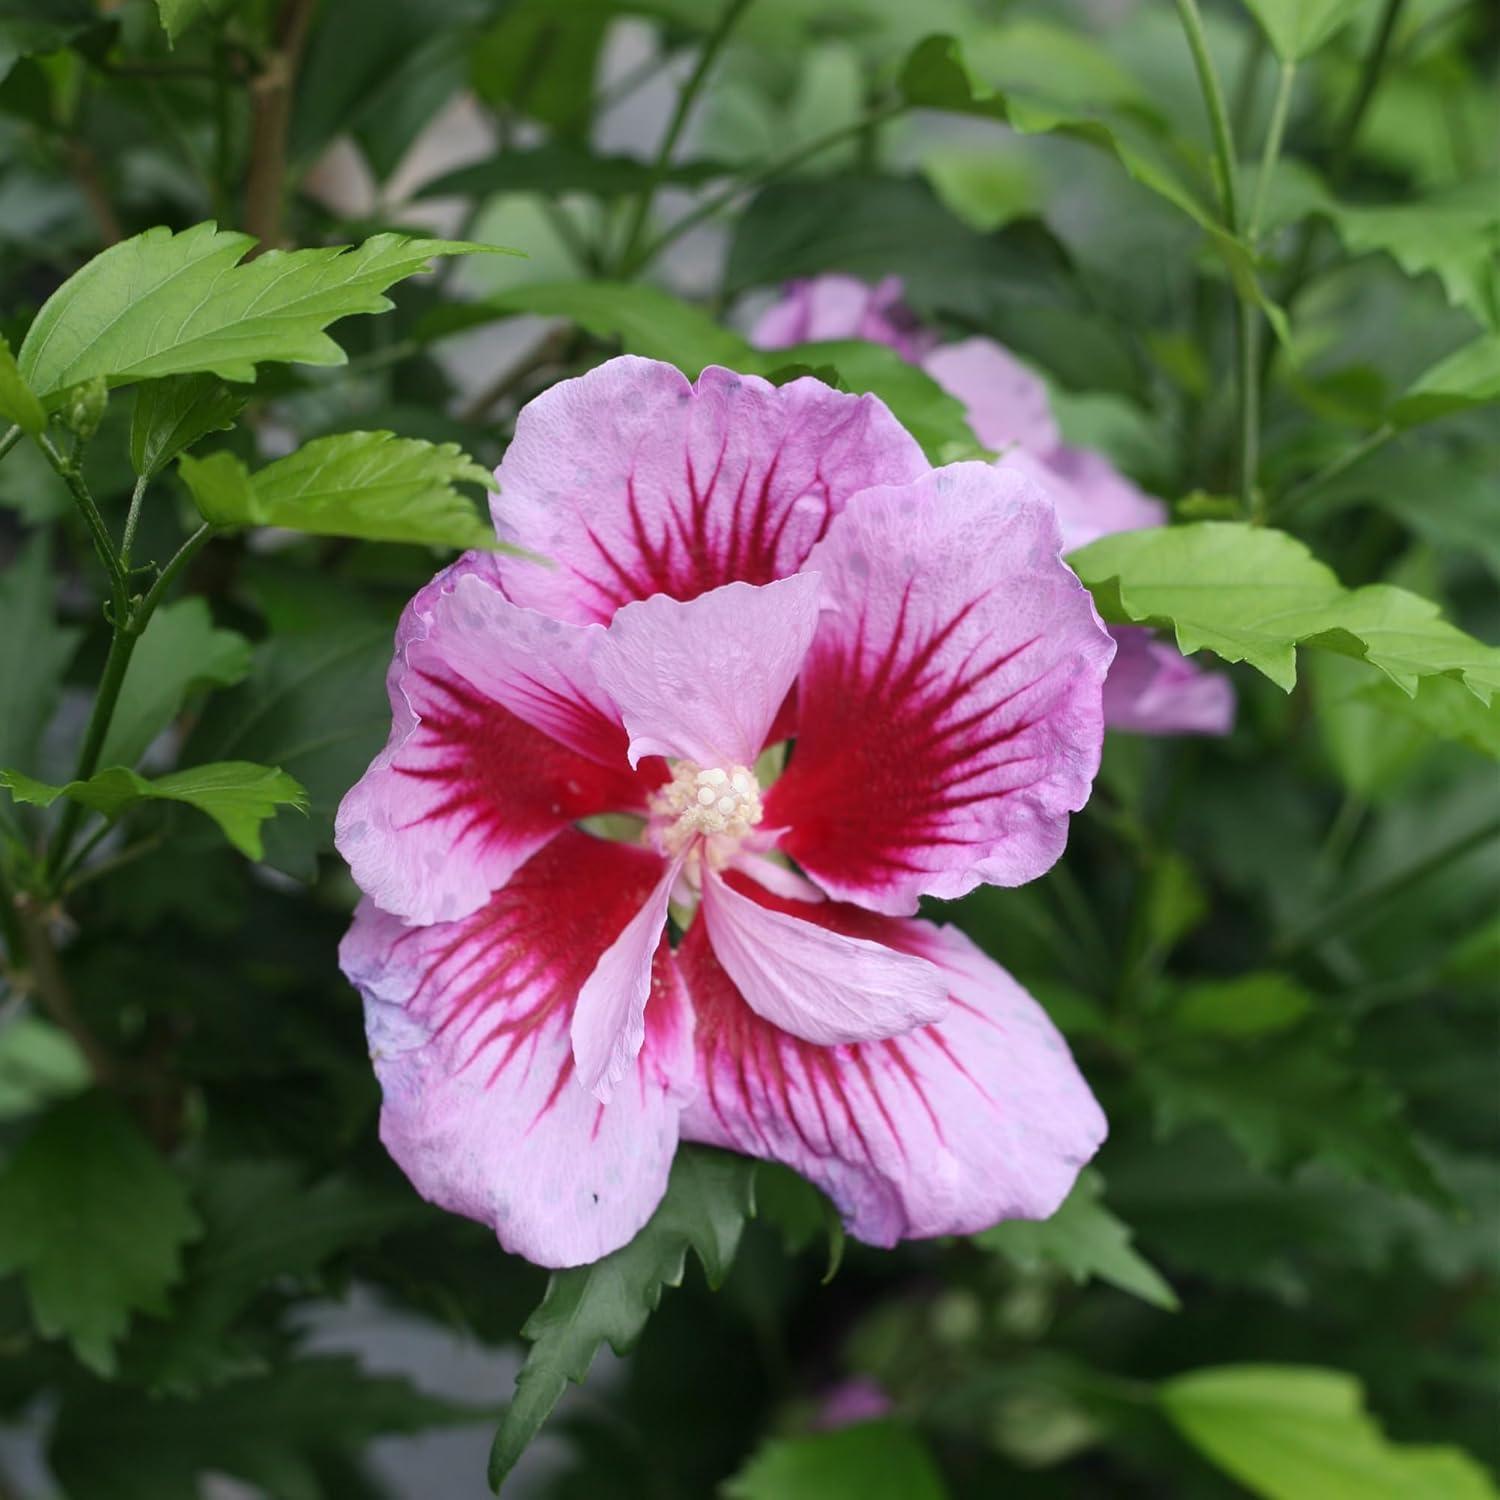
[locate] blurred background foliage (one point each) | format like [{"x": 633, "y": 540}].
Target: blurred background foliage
[{"x": 1275, "y": 956}]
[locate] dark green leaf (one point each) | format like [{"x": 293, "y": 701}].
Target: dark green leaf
[
  {"x": 1467, "y": 378},
  {"x": 798, "y": 1212},
  {"x": 238, "y": 795},
  {"x": 371, "y": 485},
  {"x": 17, "y": 403},
  {"x": 1084, "y": 1239},
  {"x": 181, "y": 651},
  {"x": 708, "y": 1199},
  {"x": 882, "y": 1460},
  {"x": 96, "y": 1222},
  {"x": 1248, "y": 1005},
  {"x": 172, "y": 414},
  {"x": 39, "y": 1062}
]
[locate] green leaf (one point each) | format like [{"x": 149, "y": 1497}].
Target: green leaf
[
  {"x": 238, "y": 795},
  {"x": 32, "y": 27},
  {"x": 178, "y": 15},
  {"x": 34, "y": 653},
  {"x": 1295, "y": 1432},
  {"x": 17, "y": 402},
  {"x": 96, "y": 1221},
  {"x": 557, "y": 167},
  {"x": 114, "y": 1443},
  {"x": 1467, "y": 378},
  {"x": 799, "y": 1212},
  {"x": 280, "y": 717},
  {"x": 39, "y": 1062},
  {"x": 1085, "y": 1240},
  {"x": 262, "y": 1222},
  {"x": 882, "y": 1460},
  {"x": 1296, "y": 28},
  {"x": 1253, "y": 594},
  {"x": 175, "y": 304},
  {"x": 1248, "y": 1005},
  {"x": 538, "y": 59},
  {"x": 935, "y": 76},
  {"x": 181, "y": 651},
  {"x": 371, "y": 485},
  {"x": 708, "y": 1199},
  {"x": 172, "y": 414}
]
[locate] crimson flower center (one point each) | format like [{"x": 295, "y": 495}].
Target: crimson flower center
[{"x": 718, "y": 805}]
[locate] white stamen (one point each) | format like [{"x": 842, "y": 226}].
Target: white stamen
[{"x": 718, "y": 805}]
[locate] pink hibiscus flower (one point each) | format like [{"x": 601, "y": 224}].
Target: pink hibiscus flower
[
  {"x": 734, "y": 568},
  {"x": 1153, "y": 688}
]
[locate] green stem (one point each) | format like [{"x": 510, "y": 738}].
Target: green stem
[
  {"x": 1218, "y": 118},
  {"x": 132, "y": 520},
  {"x": 10, "y": 440},
  {"x": 1359, "y": 903},
  {"x": 757, "y": 175},
  {"x": 1247, "y": 339},
  {"x": 1272, "y": 150},
  {"x": 641, "y": 210},
  {"x": 119, "y": 584}
]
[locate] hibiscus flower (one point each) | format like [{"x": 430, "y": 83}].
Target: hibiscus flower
[
  {"x": 1153, "y": 688},
  {"x": 642, "y": 857}
]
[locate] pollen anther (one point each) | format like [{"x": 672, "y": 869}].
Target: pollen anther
[{"x": 719, "y": 805}]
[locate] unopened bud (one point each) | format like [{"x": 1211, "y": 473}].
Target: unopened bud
[{"x": 83, "y": 406}]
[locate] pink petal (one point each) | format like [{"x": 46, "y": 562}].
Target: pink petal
[
  {"x": 980, "y": 1117},
  {"x": 704, "y": 679},
  {"x": 949, "y": 709},
  {"x": 468, "y": 1028},
  {"x": 1153, "y": 689},
  {"x": 1094, "y": 499},
  {"x": 466, "y": 789},
  {"x": 609, "y": 1023},
  {"x": 809, "y": 979},
  {"x": 1006, "y": 404},
  {"x": 632, "y": 481},
  {"x": 842, "y": 307}
]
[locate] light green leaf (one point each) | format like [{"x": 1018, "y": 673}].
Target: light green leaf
[
  {"x": 371, "y": 485},
  {"x": 1247, "y": 1005},
  {"x": 238, "y": 795},
  {"x": 708, "y": 1199},
  {"x": 95, "y": 1221},
  {"x": 557, "y": 167},
  {"x": 1084, "y": 1240},
  {"x": 882, "y": 1460},
  {"x": 1299, "y": 27},
  {"x": 182, "y": 650},
  {"x": 178, "y": 15},
  {"x": 17, "y": 402},
  {"x": 1296, "y": 1432},
  {"x": 171, "y": 415},
  {"x": 1466, "y": 378},
  {"x": 175, "y": 304},
  {"x": 1254, "y": 594},
  {"x": 39, "y": 1062}
]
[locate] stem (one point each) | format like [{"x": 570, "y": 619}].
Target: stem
[
  {"x": 685, "y": 100},
  {"x": 10, "y": 924},
  {"x": 756, "y": 175},
  {"x": 270, "y": 120},
  {"x": 10, "y": 439},
  {"x": 119, "y": 583},
  {"x": 1272, "y": 151},
  {"x": 1360, "y": 903},
  {"x": 47, "y": 980},
  {"x": 132, "y": 520},
  {"x": 1246, "y": 321}
]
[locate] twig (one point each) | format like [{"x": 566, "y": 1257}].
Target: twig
[
  {"x": 270, "y": 120},
  {"x": 10, "y": 439},
  {"x": 46, "y": 978}
]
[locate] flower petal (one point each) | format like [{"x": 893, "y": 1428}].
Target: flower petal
[
  {"x": 1094, "y": 498},
  {"x": 466, "y": 790},
  {"x": 634, "y": 482},
  {"x": 704, "y": 679},
  {"x": 979, "y": 1117},
  {"x": 609, "y": 1022},
  {"x": 1152, "y": 688},
  {"x": 468, "y": 1028},
  {"x": 949, "y": 708},
  {"x": 809, "y": 979},
  {"x": 843, "y": 307},
  {"x": 1005, "y": 402}
]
